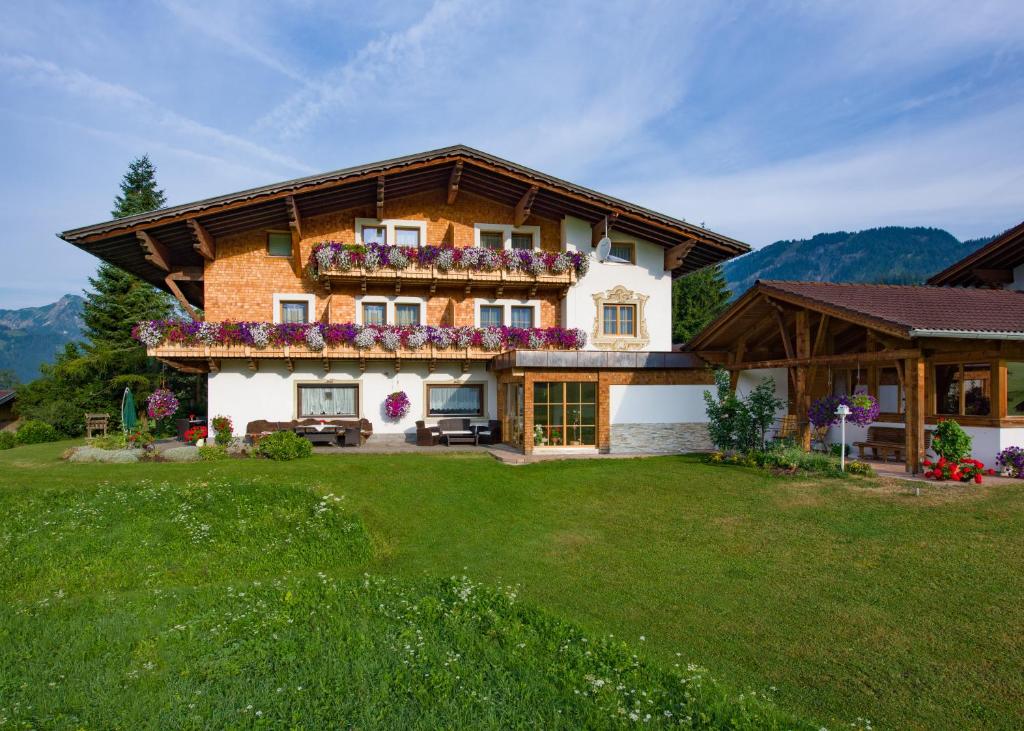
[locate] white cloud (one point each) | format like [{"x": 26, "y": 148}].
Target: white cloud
[
  {"x": 39, "y": 72},
  {"x": 963, "y": 176}
]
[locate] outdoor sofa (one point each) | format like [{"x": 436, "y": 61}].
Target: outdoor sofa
[{"x": 344, "y": 429}]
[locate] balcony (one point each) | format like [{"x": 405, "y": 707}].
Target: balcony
[
  {"x": 430, "y": 278},
  {"x": 199, "y": 347},
  {"x": 430, "y": 267}
]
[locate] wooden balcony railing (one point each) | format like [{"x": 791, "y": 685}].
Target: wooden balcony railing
[{"x": 430, "y": 278}]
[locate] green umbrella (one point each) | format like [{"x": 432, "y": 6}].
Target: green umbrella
[{"x": 128, "y": 418}]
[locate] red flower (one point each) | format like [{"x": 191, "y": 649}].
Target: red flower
[
  {"x": 990, "y": 471},
  {"x": 977, "y": 478},
  {"x": 926, "y": 462}
]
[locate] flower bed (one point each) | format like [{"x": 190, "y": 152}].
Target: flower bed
[
  {"x": 318, "y": 335},
  {"x": 335, "y": 256}
]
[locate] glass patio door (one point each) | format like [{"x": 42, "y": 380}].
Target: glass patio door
[
  {"x": 564, "y": 414},
  {"x": 514, "y": 414}
]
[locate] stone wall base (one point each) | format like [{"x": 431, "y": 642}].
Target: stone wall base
[{"x": 667, "y": 438}]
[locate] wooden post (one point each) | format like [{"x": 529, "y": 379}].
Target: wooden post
[
  {"x": 801, "y": 378},
  {"x": 914, "y": 375}
]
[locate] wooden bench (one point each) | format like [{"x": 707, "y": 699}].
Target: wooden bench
[
  {"x": 96, "y": 423},
  {"x": 887, "y": 440}
]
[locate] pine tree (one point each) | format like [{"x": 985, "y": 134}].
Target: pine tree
[
  {"x": 697, "y": 299},
  {"x": 139, "y": 193}
]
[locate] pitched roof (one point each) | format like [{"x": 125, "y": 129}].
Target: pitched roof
[
  {"x": 1004, "y": 252},
  {"x": 272, "y": 206},
  {"x": 917, "y": 309},
  {"x": 909, "y": 311},
  {"x": 6, "y": 394}
]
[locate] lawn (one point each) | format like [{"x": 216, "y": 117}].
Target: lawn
[{"x": 841, "y": 599}]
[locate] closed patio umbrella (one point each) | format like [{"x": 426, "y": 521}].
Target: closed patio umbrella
[{"x": 128, "y": 417}]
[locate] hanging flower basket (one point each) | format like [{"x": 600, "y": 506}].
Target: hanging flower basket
[
  {"x": 161, "y": 404},
  {"x": 396, "y": 405},
  {"x": 864, "y": 410}
]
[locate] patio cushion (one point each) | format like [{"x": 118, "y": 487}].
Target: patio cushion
[{"x": 458, "y": 433}]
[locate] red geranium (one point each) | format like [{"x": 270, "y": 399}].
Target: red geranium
[
  {"x": 964, "y": 470},
  {"x": 195, "y": 433}
]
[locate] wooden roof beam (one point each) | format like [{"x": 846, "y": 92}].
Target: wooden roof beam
[
  {"x": 156, "y": 253},
  {"x": 204, "y": 243},
  {"x": 294, "y": 218},
  {"x": 604, "y": 224},
  {"x": 380, "y": 197},
  {"x": 172, "y": 285},
  {"x": 675, "y": 256},
  {"x": 993, "y": 277},
  {"x": 522, "y": 211},
  {"x": 453, "y": 182},
  {"x": 787, "y": 344}
]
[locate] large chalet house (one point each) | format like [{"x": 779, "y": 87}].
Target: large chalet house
[
  {"x": 480, "y": 288},
  {"x": 950, "y": 349}
]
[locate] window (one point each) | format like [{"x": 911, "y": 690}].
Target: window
[
  {"x": 619, "y": 320},
  {"x": 963, "y": 389},
  {"x": 522, "y": 316},
  {"x": 890, "y": 394},
  {"x": 294, "y": 311},
  {"x": 565, "y": 414},
  {"x": 1015, "y": 389},
  {"x": 328, "y": 400},
  {"x": 279, "y": 243},
  {"x": 492, "y": 315},
  {"x": 492, "y": 240},
  {"x": 374, "y": 313},
  {"x": 404, "y": 236},
  {"x": 374, "y": 235},
  {"x": 407, "y": 314},
  {"x": 459, "y": 400},
  {"x": 623, "y": 252},
  {"x": 522, "y": 241}
]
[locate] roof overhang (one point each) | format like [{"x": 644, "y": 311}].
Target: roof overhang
[
  {"x": 966, "y": 334},
  {"x": 179, "y": 229},
  {"x": 991, "y": 265}
]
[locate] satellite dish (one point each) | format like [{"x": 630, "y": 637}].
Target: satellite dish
[{"x": 604, "y": 249}]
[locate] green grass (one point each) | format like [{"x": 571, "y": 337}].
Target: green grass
[{"x": 839, "y": 598}]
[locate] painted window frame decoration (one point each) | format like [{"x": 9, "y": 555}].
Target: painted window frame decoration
[
  {"x": 619, "y": 295},
  {"x": 301, "y": 386}
]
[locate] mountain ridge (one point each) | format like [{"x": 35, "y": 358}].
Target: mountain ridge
[
  {"x": 31, "y": 336},
  {"x": 882, "y": 255}
]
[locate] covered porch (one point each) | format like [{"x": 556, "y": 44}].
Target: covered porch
[{"x": 907, "y": 346}]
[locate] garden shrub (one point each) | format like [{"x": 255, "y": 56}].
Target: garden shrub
[
  {"x": 951, "y": 441},
  {"x": 284, "y": 445},
  {"x": 740, "y": 424},
  {"x": 213, "y": 452},
  {"x": 7, "y": 440},
  {"x": 223, "y": 430},
  {"x": 36, "y": 432},
  {"x": 114, "y": 440}
]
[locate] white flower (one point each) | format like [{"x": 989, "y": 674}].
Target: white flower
[
  {"x": 511, "y": 260},
  {"x": 489, "y": 260},
  {"x": 581, "y": 337},
  {"x": 372, "y": 260},
  {"x": 464, "y": 337},
  {"x": 418, "y": 337},
  {"x": 149, "y": 335},
  {"x": 471, "y": 258},
  {"x": 584, "y": 265},
  {"x": 441, "y": 337},
  {"x": 445, "y": 260},
  {"x": 315, "y": 338},
  {"x": 399, "y": 259},
  {"x": 208, "y": 333},
  {"x": 538, "y": 263},
  {"x": 535, "y": 341},
  {"x": 366, "y": 338},
  {"x": 390, "y": 340},
  {"x": 561, "y": 263},
  {"x": 259, "y": 332},
  {"x": 491, "y": 339},
  {"x": 343, "y": 260},
  {"x": 324, "y": 257}
]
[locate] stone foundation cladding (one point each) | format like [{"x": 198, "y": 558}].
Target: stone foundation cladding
[{"x": 660, "y": 438}]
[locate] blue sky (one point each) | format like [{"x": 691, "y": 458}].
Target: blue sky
[{"x": 762, "y": 120}]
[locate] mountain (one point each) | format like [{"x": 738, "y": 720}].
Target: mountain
[
  {"x": 888, "y": 255},
  {"x": 33, "y": 335}
]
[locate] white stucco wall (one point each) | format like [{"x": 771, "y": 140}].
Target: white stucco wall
[
  {"x": 270, "y": 392},
  {"x": 654, "y": 404},
  {"x": 1018, "y": 279},
  {"x": 748, "y": 380},
  {"x": 647, "y": 276}
]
